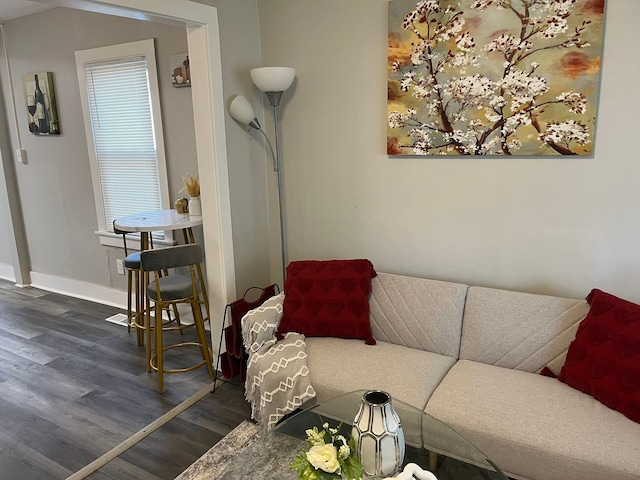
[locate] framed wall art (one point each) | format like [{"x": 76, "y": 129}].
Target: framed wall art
[
  {"x": 40, "y": 99},
  {"x": 180, "y": 71},
  {"x": 493, "y": 77}
]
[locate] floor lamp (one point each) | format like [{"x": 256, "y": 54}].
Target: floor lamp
[{"x": 273, "y": 81}]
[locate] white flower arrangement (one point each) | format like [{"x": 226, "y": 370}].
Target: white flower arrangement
[{"x": 330, "y": 456}]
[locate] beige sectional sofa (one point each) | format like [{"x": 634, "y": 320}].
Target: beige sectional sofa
[{"x": 471, "y": 356}]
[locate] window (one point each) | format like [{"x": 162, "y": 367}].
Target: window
[{"x": 123, "y": 125}]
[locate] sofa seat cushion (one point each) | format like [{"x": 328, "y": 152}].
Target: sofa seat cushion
[
  {"x": 513, "y": 417},
  {"x": 338, "y": 366}
]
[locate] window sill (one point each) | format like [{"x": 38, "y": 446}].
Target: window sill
[{"x": 113, "y": 240}]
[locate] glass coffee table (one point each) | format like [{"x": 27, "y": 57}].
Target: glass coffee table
[{"x": 429, "y": 443}]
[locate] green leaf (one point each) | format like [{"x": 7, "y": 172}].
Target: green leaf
[
  {"x": 328, "y": 476},
  {"x": 309, "y": 473},
  {"x": 300, "y": 462},
  {"x": 352, "y": 468}
]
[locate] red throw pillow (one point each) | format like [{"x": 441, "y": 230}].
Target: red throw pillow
[
  {"x": 328, "y": 299},
  {"x": 604, "y": 358}
]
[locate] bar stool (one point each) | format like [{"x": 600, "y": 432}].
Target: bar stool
[
  {"x": 132, "y": 266},
  {"x": 134, "y": 280},
  {"x": 170, "y": 290},
  {"x": 204, "y": 300}
]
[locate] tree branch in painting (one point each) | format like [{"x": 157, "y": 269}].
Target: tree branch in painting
[{"x": 462, "y": 95}]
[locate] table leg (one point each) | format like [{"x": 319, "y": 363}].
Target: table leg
[
  {"x": 433, "y": 461},
  {"x": 147, "y": 323},
  {"x": 143, "y": 314},
  {"x": 139, "y": 316}
]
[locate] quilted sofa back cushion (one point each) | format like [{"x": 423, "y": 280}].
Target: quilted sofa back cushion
[
  {"x": 518, "y": 330},
  {"x": 417, "y": 313}
]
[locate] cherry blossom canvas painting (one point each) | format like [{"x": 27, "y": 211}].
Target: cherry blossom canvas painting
[{"x": 493, "y": 77}]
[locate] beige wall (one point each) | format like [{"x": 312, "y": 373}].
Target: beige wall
[
  {"x": 248, "y": 167},
  {"x": 6, "y": 234},
  {"x": 67, "y": 201},
  {"x": 55, "y": 187},
  {"x": 550, "y": 225}
]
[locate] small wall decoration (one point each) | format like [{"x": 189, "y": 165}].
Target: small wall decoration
[
  {"x": 493, "y": 77},
  {"x": 40, "y": 98},
  {"x": 180, "y": 73}
]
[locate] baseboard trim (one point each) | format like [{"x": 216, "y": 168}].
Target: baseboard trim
[{"x": 82, "y": 290}]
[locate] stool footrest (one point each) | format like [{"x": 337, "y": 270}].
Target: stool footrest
[{"x": 154, "y": 359}]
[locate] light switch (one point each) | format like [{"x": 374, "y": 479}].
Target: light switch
[{"x": 21, "y": 156}]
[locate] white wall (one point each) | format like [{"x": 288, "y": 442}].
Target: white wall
[
  {"x": 6, "y": 235},
  {"x": 56, "y": 183},
  {"x": 549, "y": 225},
  {"x": 55, "y": 188},
  {"x": 248, "y": 168}
]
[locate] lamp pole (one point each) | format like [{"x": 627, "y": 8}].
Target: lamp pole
[{"x": 283, "y": 239}]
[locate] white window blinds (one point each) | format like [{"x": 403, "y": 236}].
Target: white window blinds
[{"x": 124, "y": 141}]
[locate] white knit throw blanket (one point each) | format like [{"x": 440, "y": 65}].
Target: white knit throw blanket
[{"x": 277, "y": 373}]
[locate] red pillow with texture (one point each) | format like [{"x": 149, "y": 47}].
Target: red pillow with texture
[
  {"x": 328, "y": 299},
  {"x": 604, "y": 358}
]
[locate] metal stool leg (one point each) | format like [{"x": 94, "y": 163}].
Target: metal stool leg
[
  {"x": 159, "y": 347},
  {"x": 202, "y": 338}
]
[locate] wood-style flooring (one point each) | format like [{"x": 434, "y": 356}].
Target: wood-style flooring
[{"x": 73, "y": 386}]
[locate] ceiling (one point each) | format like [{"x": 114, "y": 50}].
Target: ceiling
[{"x": 10, "y": 9}]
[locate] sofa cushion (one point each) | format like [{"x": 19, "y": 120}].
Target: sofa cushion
[
  {"x": 418, "y": 313},
  {"x": 328, "y": 299},
  {"x": 518, "y": 330},
  {"x": 338, "y": 366},
  {"x": 604, "y": 358},
  {"x": 513, "y": 417}
]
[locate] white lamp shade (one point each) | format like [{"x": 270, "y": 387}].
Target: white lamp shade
[
  {"x": 241, "y": 110},
  {"x": 273, "y": 79}
]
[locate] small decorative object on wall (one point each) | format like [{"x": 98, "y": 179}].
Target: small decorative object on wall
[
  {"x": 41, "y": 103},
  {"x": 493, "y": 77},
  {"x": 180, "y": 73}
]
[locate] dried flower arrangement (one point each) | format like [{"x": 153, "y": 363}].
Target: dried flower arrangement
[{"x": 191, "y": 185}]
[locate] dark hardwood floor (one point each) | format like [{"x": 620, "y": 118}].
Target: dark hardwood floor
[{"x": 73, "y": 386}]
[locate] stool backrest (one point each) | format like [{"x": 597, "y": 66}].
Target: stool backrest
[
  {"x": 171, "y": 257},
  {"x": 117, "y": 231},
  {"x": 124, "y": 234}
]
